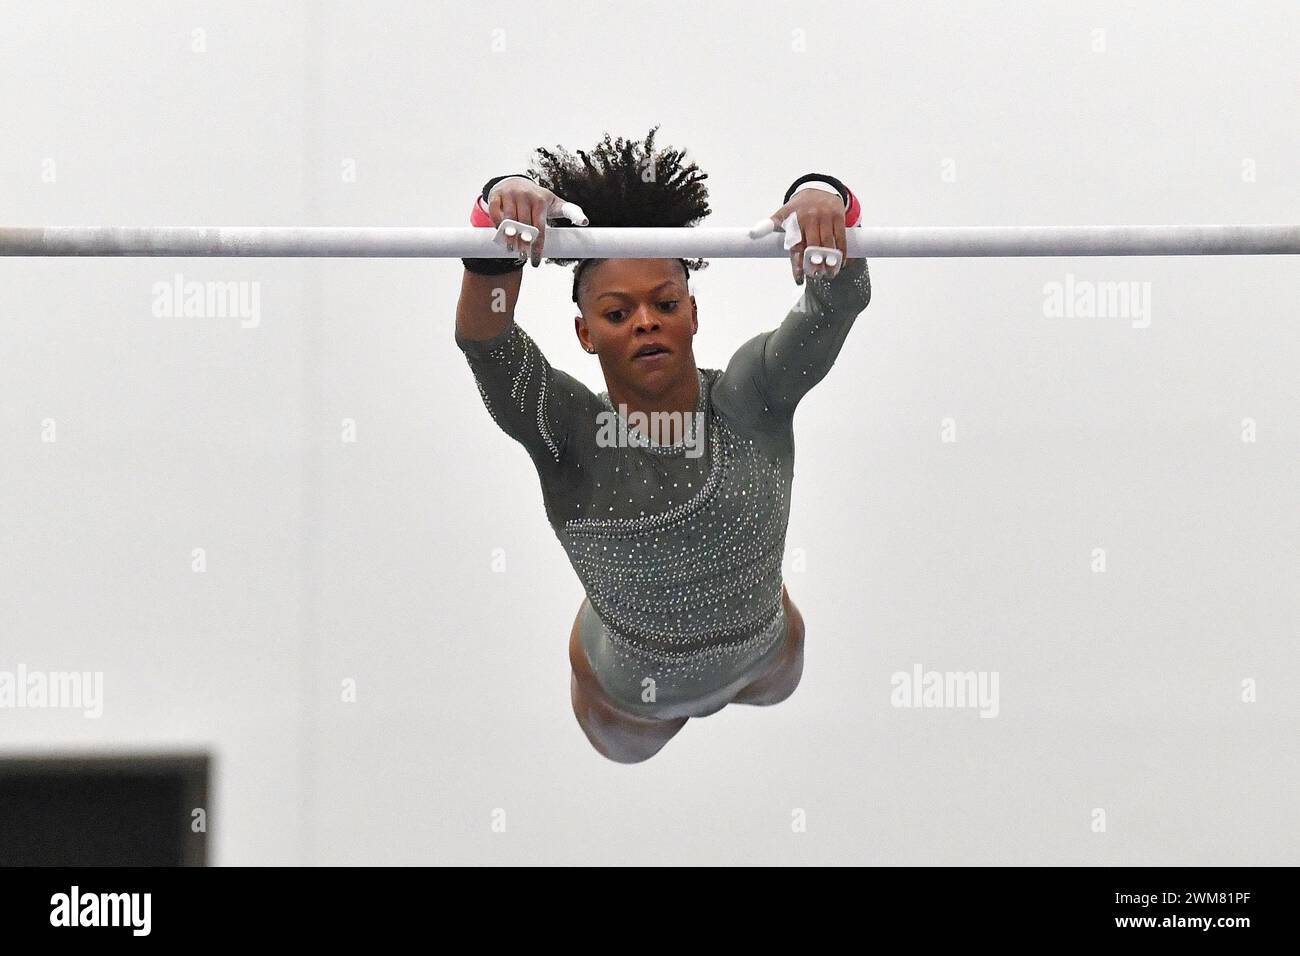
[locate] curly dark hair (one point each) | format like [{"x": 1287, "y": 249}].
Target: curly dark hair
[{"x": 625, "y": 183}]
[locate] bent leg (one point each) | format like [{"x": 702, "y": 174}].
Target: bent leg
[
  {"x": 616, "y": 734},
  {"x": 779, "y": 682}
]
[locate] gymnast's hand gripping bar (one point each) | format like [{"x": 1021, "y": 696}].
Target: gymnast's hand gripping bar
[{"x": 645, "y": 243}]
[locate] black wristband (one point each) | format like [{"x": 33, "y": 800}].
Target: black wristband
[
  {"x": 819, "y": 177},
  {"x": 491, "y": 267}
]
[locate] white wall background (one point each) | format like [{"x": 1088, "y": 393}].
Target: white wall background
[{"x": 370, "y": 561}]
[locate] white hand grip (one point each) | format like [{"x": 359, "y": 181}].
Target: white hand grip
[
  {"x": 511, "y": 228},
  {"x": 828, "y": 256}
]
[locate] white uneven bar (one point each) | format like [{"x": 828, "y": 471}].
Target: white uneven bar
[{"x": 638, "y": 243}]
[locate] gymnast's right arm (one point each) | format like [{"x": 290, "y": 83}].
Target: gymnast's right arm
[
  {"x": 532, "y": 402},
  {"x": 490, "y": 288}
]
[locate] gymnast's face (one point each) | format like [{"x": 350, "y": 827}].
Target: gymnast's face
[{"x": 630, "y": 305}]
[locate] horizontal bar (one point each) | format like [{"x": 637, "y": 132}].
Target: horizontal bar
[{"x": 638, "y": 243}]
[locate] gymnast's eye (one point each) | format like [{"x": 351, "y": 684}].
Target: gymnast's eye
[{"x": 671, "y": 304}]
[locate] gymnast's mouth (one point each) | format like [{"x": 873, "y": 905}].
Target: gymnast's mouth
[{"x": 650, "y": 351}]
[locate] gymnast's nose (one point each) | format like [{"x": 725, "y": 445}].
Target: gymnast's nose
[{"x": 646, "y": 317}]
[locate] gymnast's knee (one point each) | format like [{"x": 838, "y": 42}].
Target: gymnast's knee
[{"x": 622, "y": 739}]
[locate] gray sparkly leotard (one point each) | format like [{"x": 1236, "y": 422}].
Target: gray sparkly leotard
[{"x": 680, "y": 553}]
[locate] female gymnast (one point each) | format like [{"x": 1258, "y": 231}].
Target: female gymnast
[{"x": 678, "y": 543}]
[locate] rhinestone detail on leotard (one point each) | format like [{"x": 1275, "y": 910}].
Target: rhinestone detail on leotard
[{"x": 701, "y": 578}]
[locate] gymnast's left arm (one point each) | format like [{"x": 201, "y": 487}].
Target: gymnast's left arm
[{"x": 771, "y": 372}]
